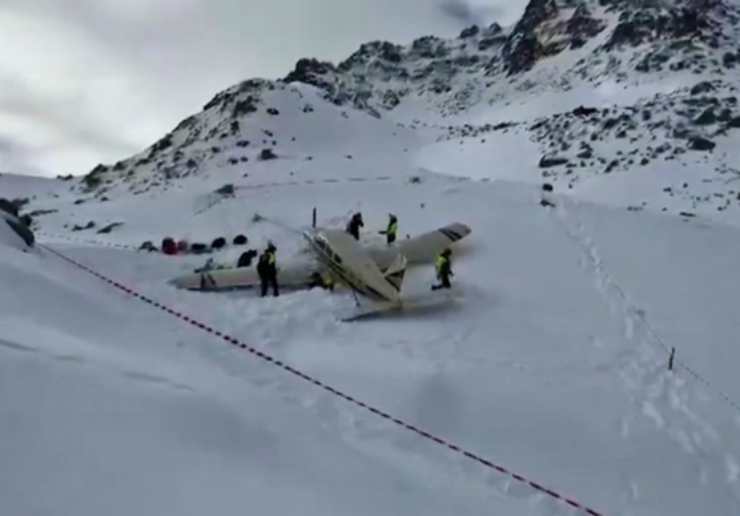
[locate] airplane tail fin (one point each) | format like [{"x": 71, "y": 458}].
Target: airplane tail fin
[{"x": 396, "y": 272}]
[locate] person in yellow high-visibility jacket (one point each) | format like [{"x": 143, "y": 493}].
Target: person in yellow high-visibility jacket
[
  {"x": 443, "y": 265},
  {"x": 391, "y": 233}
]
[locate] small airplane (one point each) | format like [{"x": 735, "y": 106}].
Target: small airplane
[{"x": 374, "y": 272}]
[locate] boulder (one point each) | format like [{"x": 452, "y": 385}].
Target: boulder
[
  {"x": 584, "y": 111},
  {"x": 552, "y": 161},
  {"x": 110, "y": 227},
  {"x": 702, "y": 87},
  {"x": 240, "y": 240},
  {"x": 707, "y": 117},
  {"x": 8, "y": 207},
  {"x": 89, "y": 225},
  {"x": 267, "y": 154},
  {"x": 469, "y": 32},
  {"x": 227, "y": 189},
  {"x": 147, "y": 246},
  {"x": 699, "y": 143}
]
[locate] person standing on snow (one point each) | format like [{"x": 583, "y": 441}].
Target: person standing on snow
[
  {"x": 443, "y": 266},
  {"x": 392, "y": 231},
  {"x": 354, "y": 225},
  {"x": 267, "y": 270}
]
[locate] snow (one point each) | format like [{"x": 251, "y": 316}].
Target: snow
[
  {"x": 550, "y": 358},
  {"x": 545, "y": 361}
]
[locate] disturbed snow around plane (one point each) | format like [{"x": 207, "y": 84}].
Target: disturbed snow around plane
[{"x": 551, "y": 358}]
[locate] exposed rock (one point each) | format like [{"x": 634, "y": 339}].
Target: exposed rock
[
  {"x": 310, "y": 71},
  {"x": 8, "y": 207},
  {"x": 267, "y": 154},
  {"x": 582, "y": 26},
  {"x": 148, "y": 246},
  {"x": 699, "y": 143},
  {"x": 110, "y": 227},
  {"x": 706, "y": 118},
  {"x": 227, "y": 189},
  {"x": 611, "y": 166},
  {"x": 522, "y": 47},
  {"x": 487, "y": 43},
  {"x": 552, "y": 161},
  {"x": 89, "y": 225},
  {"x": 469, "y": 32},
  {"x": 584, "y": 111},
  {"x": 243, "y": 108},
  {"x": 725, "y": 115}
]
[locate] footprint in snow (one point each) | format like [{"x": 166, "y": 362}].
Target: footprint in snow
[{"x": 652, "y": 412}]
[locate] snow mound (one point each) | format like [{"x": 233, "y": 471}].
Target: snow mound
[{"x": 13, "y": 233}]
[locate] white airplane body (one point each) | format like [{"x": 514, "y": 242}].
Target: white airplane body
[{"x": 374, "y": 272}]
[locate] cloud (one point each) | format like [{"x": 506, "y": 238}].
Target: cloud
[
  {"x": 482, "y": 12},
  {"x": 460, "y": 11},
  {"x": 89, "y": 81}
]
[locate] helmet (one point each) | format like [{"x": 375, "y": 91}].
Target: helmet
[
  {"x": 392, "y": 217},
  {"x": 447, "y": 252},
  {"x": 271, "y": 247}
]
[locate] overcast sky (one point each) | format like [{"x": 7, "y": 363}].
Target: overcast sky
[{"x": 90, "y": 81}]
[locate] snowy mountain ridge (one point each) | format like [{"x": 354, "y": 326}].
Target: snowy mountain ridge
[{"x": 657, "y": 77}]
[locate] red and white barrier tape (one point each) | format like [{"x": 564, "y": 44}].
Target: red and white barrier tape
[{"x": 287, "y": 368}]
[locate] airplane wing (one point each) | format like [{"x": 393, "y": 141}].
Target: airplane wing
[
  {"x": 423, "y": 248},
  {"x": 292, "y": 276},
  {"x": 354, "y": 266},
  {"x": 427, "y": 246}
]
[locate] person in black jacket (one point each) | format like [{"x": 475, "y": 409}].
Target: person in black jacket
[
  {"x": 354, "y": 225},
  {"x": 267, "y": 270}
]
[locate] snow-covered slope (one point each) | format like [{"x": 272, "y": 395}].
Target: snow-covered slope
[{"x": 550, "y": 359}]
